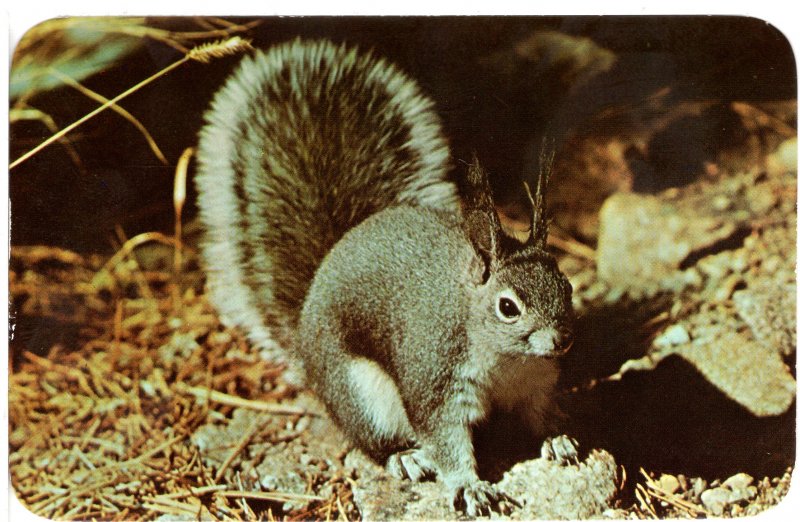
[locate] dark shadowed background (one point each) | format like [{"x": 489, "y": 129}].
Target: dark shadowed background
[{"x": 500, "y": 85}]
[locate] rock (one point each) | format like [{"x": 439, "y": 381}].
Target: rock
[
  {"x": 716, "y": 499},
  {"x": 616, "y": 514},
  {"x": 721, "y": 202},
  {"x": 738, "y": 481},
  {"x": 768, "y": 306},
  {"x": 684, "y": 484},
  {"x": 746, "y": 493},
  {"x": 643, "y": 240},
  {"x": 545, "y": 489},
  {"x": 699, "y": 485},
  {"x": 379, "y": 496},
  {"x": 755, "y": 377},
  {"x": 215, "y": 441},
  {"x": 784, "y": 158},
  {"x": 674, "y": 335},
  {"x": 762, "y": 198},
  {"x": 669, "y": 483},
  {"x": 280, "y": 471}
]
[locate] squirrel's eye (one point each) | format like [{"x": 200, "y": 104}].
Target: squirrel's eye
[{"x": 508, "y": 308}]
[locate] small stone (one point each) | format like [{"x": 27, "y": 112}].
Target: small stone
[
  {"x": 740, "y": 261},
  {"x": 220, "y": 338},
  {"x": 762, "y": 198},
  {"x": 714, "y": 267},
  {"x": 746, "y": 493},
  {"x": 692, "y": 278},
  {"x": 772, "y": 264},
  {"x": 721, "y": 202},
  {"x": 541, "y": 486},
  {"x": 698, "y": 486},
  {"x": 675, "y": 335},
  {"x": 174, "y": 322},
  {"x": 727, "y": 287},
  {"x": 669, "y": 483},
  {"x": 147, "y": 388},
  {"x": 716, "y": 499},
  {"x": 738, "y": 481}
]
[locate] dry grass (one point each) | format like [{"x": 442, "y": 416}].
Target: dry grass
[
  {"x": 102, "y": 428},
  {"x": 203, "y": 53}
]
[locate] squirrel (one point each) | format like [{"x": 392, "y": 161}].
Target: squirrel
[{"x": 333, "y": 229}]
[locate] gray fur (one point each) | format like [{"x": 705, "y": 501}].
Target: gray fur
[
  {"x": 272, "y": 196},
  {"x": 333, "y": 228}
]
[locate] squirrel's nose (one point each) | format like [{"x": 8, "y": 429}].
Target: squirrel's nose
[{"x": 563, "y": 340}]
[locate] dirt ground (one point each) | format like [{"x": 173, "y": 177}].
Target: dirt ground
[{"x": 143, "y": 406}]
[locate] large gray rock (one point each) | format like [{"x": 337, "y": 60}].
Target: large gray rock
[
  {"x": 549, "y": 491},
  {"x": 544, "y": 488},
  {"x": 645, "y": 241},
  {"x": 726, "y": 251}
]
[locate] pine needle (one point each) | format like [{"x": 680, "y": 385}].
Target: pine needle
[
  {"x": 269, "y": 495},
  {"x": 231, "y": 400}
]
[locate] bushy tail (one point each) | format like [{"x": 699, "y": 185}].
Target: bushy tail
[{"x": 302, "y": 143}]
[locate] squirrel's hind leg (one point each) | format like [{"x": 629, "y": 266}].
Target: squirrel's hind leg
[
  {"x": 378, "y": 399},
  {"x": 365, "y": 403}
]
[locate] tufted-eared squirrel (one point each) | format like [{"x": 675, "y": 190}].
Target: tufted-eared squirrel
[{"x": 334, "y": 234}]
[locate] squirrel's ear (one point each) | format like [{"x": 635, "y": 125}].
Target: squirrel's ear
[
  {"x": 481, "y": 222},
  {"x": 539, "y": 223}
]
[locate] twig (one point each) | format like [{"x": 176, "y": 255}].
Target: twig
[
  {"x": 571, "y": 246},
  {"x": 144, "y": 456},
  {"x": 191, "y": 492},
  {"x": 171, "y": 507},
  {"x": 276, "y": 496},
  {"x": 689, "y": 507},
  {"x": 113, "y": 447},
  {"x": 248, "y": 513},
  {"x": 644, "y": 500},
  {"x": 342, "y": 511},
  {"x": 231, "y": 400}
]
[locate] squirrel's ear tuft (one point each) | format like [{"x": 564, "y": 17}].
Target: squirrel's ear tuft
[
  {"x": 481, "y": 222},
  {"x": 539, "y": 222}
]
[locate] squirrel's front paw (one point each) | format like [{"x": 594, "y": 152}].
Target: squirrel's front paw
[
  {"x": 563, "y": 450},
  {"x": 412, "y": 464},
  {"x": 481, "y": 498}
]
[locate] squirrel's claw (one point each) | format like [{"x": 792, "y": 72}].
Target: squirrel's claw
[
  {"x": 481, "y": 498},
  {"x": 563, "y": 450},
  {"x": 412, "y": 464}
]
